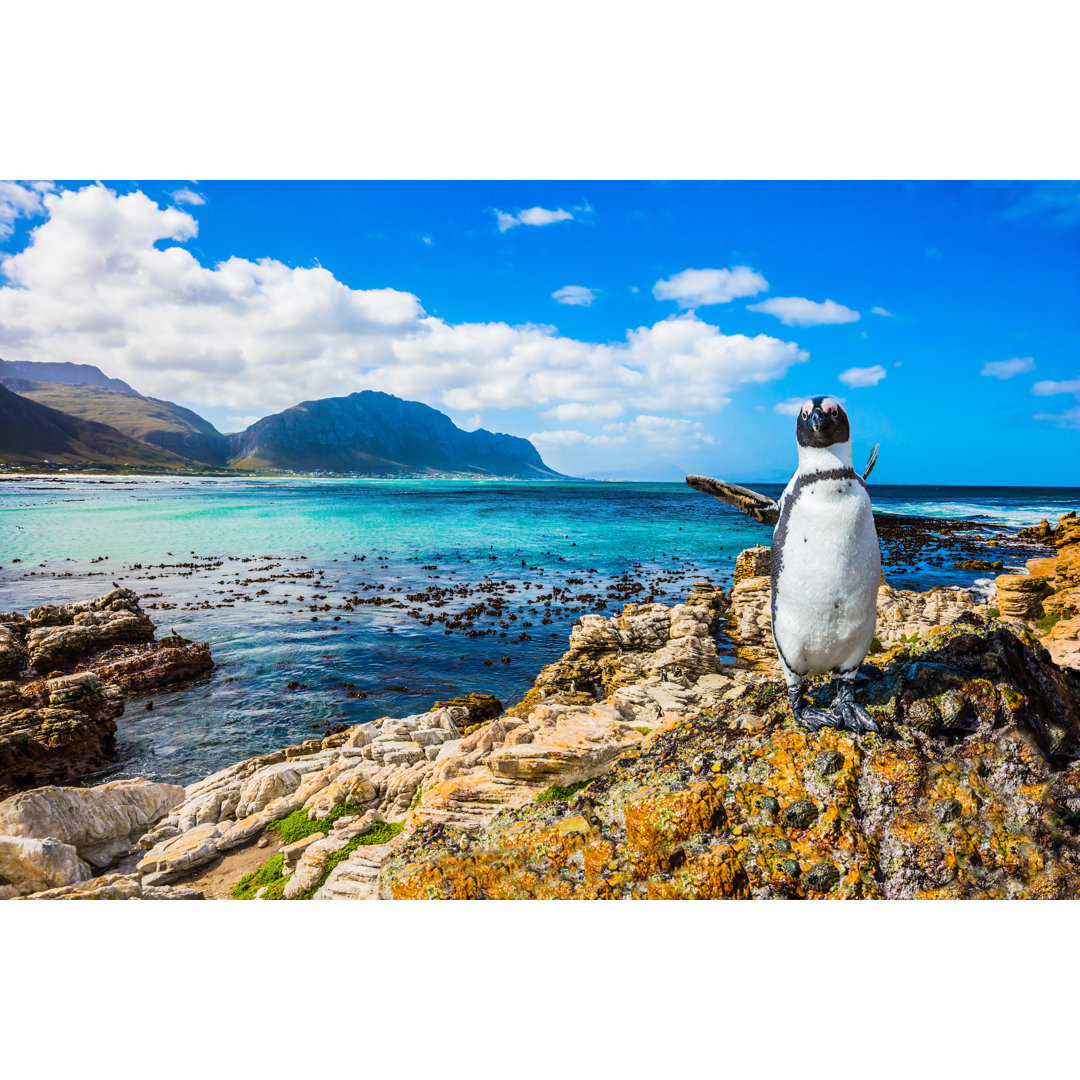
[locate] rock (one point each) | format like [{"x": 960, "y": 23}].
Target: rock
[
  {"x": 137, "y": 669},
  {"x": 13, "y": 654},
  {"x": 357, "y": 877},
  {"x": 58, "y": 728},
  {"x": 987, "y": 809},
  {"x": 1020, "y": 596},
  {"x": 473, "y": 709},
  {"x": 292, "y": 852},
  {"x": 117, "y": 887},
  {"x": 96, "y": 625},
  {"x": 101, "y": 822},
  {"x": 51, "y": 744},
  {"x": 753, "y": 562},
  {"x": 172, "y": 859},
  {"x": 31, "y": 865}
]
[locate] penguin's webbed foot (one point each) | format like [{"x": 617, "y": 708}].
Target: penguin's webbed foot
[
  {"x": 810, "y": 717},
  {"x": 853, "y": 717}
]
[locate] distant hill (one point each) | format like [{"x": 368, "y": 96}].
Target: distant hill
[
  {"x": 33, "y": 434},
  {"x": 161, "y": 423},
  {"x": 661, "y": 472},
  {"x": 48, "y": 371},
  {"x": 375, "y": 433}
]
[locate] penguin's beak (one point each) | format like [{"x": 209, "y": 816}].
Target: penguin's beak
[{"x": 820, "y": 420}]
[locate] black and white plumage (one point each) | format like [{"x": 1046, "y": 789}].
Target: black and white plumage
[{"x": 826, "y": 562}]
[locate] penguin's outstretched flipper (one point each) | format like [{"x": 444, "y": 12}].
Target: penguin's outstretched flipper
[
  {"x": 871, "y": 461},
  {"x": 759, "y": 507}
]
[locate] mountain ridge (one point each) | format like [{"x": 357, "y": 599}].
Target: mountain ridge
[{"x": 367, "y": 432}]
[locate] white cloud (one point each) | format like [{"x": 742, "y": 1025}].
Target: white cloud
[
  {"x": 798, "y": 311},
  {"x": 577, "y": 295},
  {"x": 790, "y": 407},
  {"x": 572, "y": 438},
  {"x": 863, "y": 376},
  {"x": 1070, "y": 418},
  {"x": 661, "y": 429},
  {"x": 881, "y": 311},
  {"x": 574, "y": 410},
  {"x": 664, "y": 431},
  {"x": 186, "y": 195},
  {"x": 698, "y": 288},
  {"x": 1007, "y": 369},
  {"x": 535, "y": 215},
  {"x": 1048, "y": 388},
  {"x": 19, "y": 200},
  {"x": 427, "y": 240},
  {"x": 105, "y": 280},
  {"x": 239, "y": 423}
]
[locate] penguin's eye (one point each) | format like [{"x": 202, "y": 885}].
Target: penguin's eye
[
  {"x": 807, "y": 409},
  {"x": 831, "y": 408}
]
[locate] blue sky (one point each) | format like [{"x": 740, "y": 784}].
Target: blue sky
[{"x": 952, "y": 333}]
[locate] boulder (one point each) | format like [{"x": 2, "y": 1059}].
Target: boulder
[
  {"x": 29, "y": 865},
  {"x": 101, "y": 823}
]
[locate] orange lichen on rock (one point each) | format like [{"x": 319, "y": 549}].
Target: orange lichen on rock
[{"x": 981, "y": 800}]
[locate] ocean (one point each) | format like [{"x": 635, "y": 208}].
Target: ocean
[{"x": 333, "y": 601}]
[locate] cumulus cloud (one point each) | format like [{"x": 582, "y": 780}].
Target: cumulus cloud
[
  {"x": 1008, "y": 369},
  {"x": 576, "y": 295},
  {"x": 790, "y": 407},
  {"x": 19, "y": 200},
  {"x": 660, "y": 429},
  {"x": 240, "y": 423},
  {"x": 863, "y": 376},
  {"x": 663, "y": 431},
  {"x": 186, "y": 195},
  {"x": 106, "y": 280},
  {"x": 1048, "y": 388},
  {"x": 574, "y": 410},
  {"x": 699, "y": 288},
  {"x": 881, "y": 311},
  {"x": 535, "y": 215},
  {"x": 798, "y": 311}
]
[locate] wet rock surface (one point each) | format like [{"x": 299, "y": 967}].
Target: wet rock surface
[{"x": 68, "y": 668}]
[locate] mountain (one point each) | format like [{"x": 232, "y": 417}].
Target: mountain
[
  {"x": 150, "y": 420},
  {"x": 33, "y": 434},
  {"x": 372, "y": 432},
  {"x": 50, "y": 372}
]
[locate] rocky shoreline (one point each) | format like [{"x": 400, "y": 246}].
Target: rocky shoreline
[
  {"x": 655, "y": 758},
  {"x": 66, "y": 670}
]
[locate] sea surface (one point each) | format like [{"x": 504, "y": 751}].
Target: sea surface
[{"x": 376, "y": 598}]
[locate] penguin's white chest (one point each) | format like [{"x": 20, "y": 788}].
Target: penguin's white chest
[{"x": 826, "y": 569}]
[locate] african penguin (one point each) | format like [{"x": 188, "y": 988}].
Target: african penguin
[{"x": 826, "y": 563}]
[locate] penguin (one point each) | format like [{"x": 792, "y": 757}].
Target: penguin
[{"x": 826, "y": 563}]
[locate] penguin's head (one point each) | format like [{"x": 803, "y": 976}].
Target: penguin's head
[{"x": 822, "y": 422}]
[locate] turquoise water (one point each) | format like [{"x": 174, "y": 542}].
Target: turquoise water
[{"x": 266, "y": 570}]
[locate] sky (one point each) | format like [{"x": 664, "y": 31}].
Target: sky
[{"x": 631, "y": 329}]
